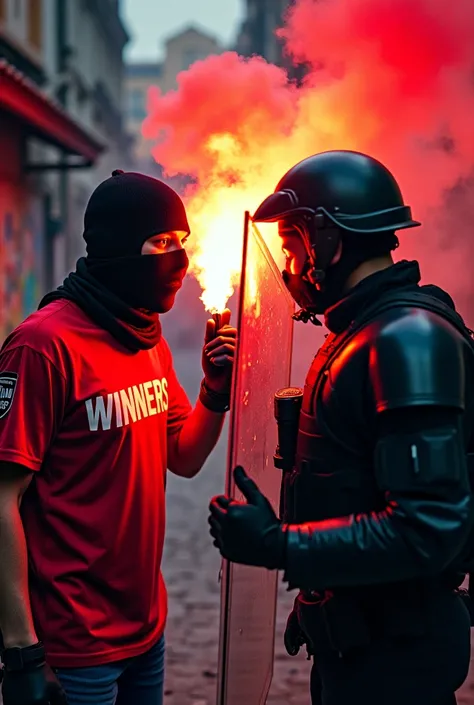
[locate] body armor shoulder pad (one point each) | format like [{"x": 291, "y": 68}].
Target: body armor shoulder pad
[{"x": 417, "y": 359}]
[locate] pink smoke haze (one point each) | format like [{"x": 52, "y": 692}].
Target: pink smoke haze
[{"x": 393, "y": 78}]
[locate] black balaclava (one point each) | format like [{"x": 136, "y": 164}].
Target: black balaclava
[
  {"x": 118, "y": 287},
  {"x": 122, "y": 213}
]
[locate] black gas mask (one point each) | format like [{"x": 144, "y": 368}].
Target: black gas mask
[
  {"x": 323, "y": 280},
  {"x": 329, "y": 264},
  {"x": 311, "y": 288}
]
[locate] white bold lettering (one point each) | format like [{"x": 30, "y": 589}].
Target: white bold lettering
[
  {"x": 99, "y": 413},
  {"x": 128, "y": 405},
  {"x": 158, "y": 394},
  {"x": 118, "y": 410},
  {"x": 149, "y": 398},
  {"x": 140, "y": 401},
  {"x": 164, "y": 387}
]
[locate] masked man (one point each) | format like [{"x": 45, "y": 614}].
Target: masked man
[
  {"x": 91, "y": 417},
  {"x": 377, "y": 509}
]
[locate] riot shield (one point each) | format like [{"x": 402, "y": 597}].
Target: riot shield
[{"x": 248, "y": 597}]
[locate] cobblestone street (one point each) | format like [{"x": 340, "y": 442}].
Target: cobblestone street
[{"x": 191, "y": 569}]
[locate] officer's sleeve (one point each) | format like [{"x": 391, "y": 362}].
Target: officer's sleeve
[
  {"x": 418, "y": 379},
  {"x": 32, "y": 402}
]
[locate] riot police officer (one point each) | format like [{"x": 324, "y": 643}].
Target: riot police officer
[{"x": 376, "y": 527}]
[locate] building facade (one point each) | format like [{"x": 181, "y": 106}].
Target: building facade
[
  {"x": 140, "y": 77},
  {"x": 181, "y": 51},
  {"x": 257, "y": 33},
  {"x": 90, "y": 84},
  {"x": 60, "y": 133}
]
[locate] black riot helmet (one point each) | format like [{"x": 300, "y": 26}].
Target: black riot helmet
[{"x": 329, "y": 198}]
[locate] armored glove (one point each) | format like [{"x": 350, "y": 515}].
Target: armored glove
[
  {"x": 28, "y": 680},
  {"x": 247, "y": 532}
]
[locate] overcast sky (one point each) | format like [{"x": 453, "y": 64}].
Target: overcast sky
[{"x": 151, "y": 21}]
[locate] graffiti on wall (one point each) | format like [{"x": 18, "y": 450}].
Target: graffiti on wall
[{"x": 20, "y": 263}]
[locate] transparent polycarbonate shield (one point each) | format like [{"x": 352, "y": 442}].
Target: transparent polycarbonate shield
[{"x": 248, "y": 599}]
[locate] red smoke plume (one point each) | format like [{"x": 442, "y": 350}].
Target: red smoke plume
[{"x": 393, "y": 78}]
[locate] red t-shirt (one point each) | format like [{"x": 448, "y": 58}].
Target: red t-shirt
[{"x": 92, "y": 420}]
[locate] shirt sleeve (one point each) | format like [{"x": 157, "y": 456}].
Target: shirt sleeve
[
  {"x": 179, "y": 406},
  {"x": 32, "y": 405}
]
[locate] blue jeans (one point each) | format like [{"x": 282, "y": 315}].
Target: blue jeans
[{"x": 133, "y": 681}]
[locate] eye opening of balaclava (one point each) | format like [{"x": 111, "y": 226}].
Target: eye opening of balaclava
[{"x": 123, "y": 213}]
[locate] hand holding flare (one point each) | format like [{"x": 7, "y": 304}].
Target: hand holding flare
[{"x": 219, "y": 353}]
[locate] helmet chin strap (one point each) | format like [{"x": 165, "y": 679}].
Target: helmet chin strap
[
  {"x": 322, "y": 250},
  {"x": 322, "y": 247}
]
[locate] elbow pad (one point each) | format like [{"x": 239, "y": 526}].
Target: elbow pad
[
  {"x": 425, "y": 477},
  {"x": 431, "y": 458}
]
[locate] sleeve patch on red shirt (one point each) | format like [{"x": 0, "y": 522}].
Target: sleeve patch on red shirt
[{"x": 8, "y": 382}]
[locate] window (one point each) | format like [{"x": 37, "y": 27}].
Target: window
[
  {"x": 35, "y": 20},
  {"x": 136, "y": 104},
  {"x": 190, "y": 56}
]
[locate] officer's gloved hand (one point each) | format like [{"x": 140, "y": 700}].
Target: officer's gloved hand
[
  {"x": 247, "y": 532},
  {"x": 28, "y": 680},
  {"x": 293, "y": 638}
]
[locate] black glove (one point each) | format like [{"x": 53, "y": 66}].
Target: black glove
[
  {"x": 247, "y": 532},
  {"x": 293, "y": 638},
  {"x": 32, "y": 683}
]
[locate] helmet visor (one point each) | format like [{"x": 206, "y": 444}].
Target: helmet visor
[{"x": 285, "y": 205}]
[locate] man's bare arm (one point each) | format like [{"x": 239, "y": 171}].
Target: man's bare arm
[
  {"x": 189, "y": 450},
  {"x": 16, "y": 621}
]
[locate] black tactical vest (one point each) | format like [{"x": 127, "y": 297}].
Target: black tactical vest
[{"x": 333, "y": 474}]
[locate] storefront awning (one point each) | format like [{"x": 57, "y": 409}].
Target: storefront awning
[{"x": 43, "y": 117}]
